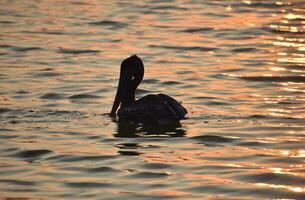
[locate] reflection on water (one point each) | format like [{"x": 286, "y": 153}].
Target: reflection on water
[
  {"x": 133, "y": 129},
  {"x": 238, "y": 66}
]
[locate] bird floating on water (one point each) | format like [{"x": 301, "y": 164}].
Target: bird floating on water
[{"x": 150, "y": 107}]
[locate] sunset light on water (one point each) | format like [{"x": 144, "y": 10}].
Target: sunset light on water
[{"x": 237, "y": 66}]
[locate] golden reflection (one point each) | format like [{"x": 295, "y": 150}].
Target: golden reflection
[
  {"x": 301, "y": 49},
  {"x": 229, "y": 8},
  {"x": 235, "y": 165},
  {"x": 291, "y": 153},
  {"x": 278, "y": 170},
  {"x": 277, "y": 111},
  {"x": 280, "y": 3},
  {"x": 247, "y": 2},
  {"x": 294, "y": 90},
  {"x": 294, "y": 16},
  {"x": 282, "y": 54},
  {"x": 291, "y": 29},
  {"x": 288, "y": 47},
  {"x": 291, "y": 188},
  {"x": 290, "y": 39},
  {"x": 277, "y": 68},
  {"x": 287, "y": 44}
]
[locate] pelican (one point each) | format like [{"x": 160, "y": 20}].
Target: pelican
[{"x": 150, "y": 107}]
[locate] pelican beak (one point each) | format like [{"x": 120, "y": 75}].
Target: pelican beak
[{"x": 119, "y": 95}]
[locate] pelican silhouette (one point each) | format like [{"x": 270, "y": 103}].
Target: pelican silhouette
[{"x": 150, "y": 107}]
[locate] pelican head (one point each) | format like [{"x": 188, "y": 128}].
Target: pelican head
[{"x": 131, "y": 75}]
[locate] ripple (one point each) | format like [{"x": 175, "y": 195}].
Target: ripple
[
  {"x": 4, "y": 110},
  {"x": 151, "y": 175},
  {"x": 4, "y": 46},
  {"x": 52, "y": 96},
  {"x": 142, "y": 91},
  {"x": 6, "y": 130},
  {"x": 213, "y": 138},
  {"x": 168, "y": 7},
  {"x": 78, "y": 51},
  {"x": 245, "y": 50},
  {"x": 62, "y": 112},
  {"x": 129, "y": 153},
  {"x": 223, "y": 103},
  {"x": 103, "y": 90},
  {"x": 171, "y": 82},
  {"x": 150, "y": 81},
  {"x": 198, "y": 30},
  {"x": 22, "y": 92},
  {"x": 258, "y": 116},
  {"x": 32, "y": 153},
  {"x": 88, "y": 184},
  {"x": 48, "y": 32},
  {"x": 102, "y": 170},
  {"x": 75, "y": 158},
  {"x": 6, "y": 22},
  {"x": 242, "y": 190},
  {"x": 273, "y": 178},
  {"x": 25, "y": 49},
  {"x": 202, "y": 97},
  {"x": 7, "y": 137},
  {"x": 252, "y": 144},
  {"x": 48, "y": 74},
  {"x": 296, "y": 79},
  {"x": 110, "y": 23},
  {"x": 185, "y": 48},
  {"x": 46, "y": 69},
  {"x": 83, "y": 96},
  {"x": 18, "y": 182},
  {"x": 284, "y": 160},
  {"x": 156, "y": 166}
]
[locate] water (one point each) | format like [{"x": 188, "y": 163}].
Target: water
[{"x": 237, "y": 66}]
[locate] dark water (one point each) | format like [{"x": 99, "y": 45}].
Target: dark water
[{"x": 237, "y": 66}]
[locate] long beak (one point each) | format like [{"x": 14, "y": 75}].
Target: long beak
[{"x": 119, "y": 95}]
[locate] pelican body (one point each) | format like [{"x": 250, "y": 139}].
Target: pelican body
[{"x": 150, "y": 107}]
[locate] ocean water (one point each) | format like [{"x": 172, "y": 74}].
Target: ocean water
[{"x": 237, "y": 66}]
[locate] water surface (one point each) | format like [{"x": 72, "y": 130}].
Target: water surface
[{"x": 237, "y": 66}]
